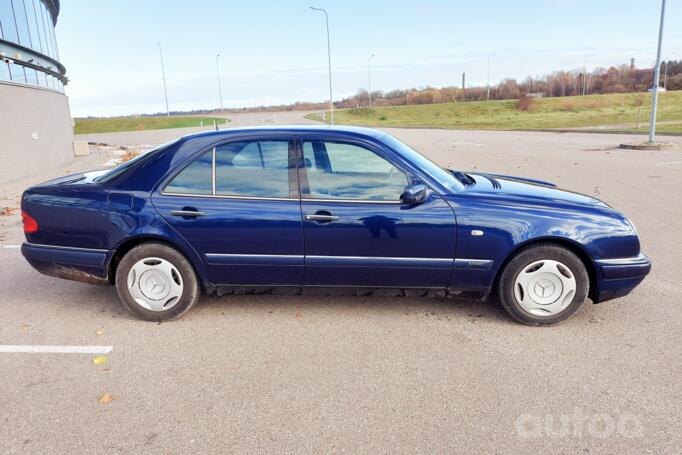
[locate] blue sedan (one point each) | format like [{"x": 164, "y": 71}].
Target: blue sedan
[{"x": 269, "y": 208}]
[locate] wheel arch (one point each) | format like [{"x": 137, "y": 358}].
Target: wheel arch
[
  {"x": 130, "y": 243},
  {"x": 574, "y": 247}
]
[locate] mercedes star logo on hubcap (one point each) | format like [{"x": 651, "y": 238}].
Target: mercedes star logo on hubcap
[{"x": 544, "y": 288}]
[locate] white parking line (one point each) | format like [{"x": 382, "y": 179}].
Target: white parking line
[
  {"x": 39, "y": 349},
  {"x": 10, "y": 246},
  {"x": 473, "y": 144},
  {"x": 668, "y": 163}
]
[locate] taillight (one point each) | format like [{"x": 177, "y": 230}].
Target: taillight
[{"x": 30, "y": 224}]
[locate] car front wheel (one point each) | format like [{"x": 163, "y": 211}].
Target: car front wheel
[
  {"x": 156, "y": 282},
  {"x": 544, "y": 284}
]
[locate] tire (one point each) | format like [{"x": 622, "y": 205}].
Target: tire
[
  {"x": 156, "y": 282},
  {"x": 544, "y": 284}
]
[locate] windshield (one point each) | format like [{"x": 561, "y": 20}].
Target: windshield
[
  {"x": 445, "y": 178},
  {"x": 121, "y": 168}
]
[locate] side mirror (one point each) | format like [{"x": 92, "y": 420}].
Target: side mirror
[{"x": 415, "y": 194}]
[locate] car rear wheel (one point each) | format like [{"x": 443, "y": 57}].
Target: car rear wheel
[
  {"x": 544, "y": 284},
  {"x": 156, "y": 282}
]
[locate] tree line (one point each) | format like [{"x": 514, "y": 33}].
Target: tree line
[{"x": 616, "y": 79}]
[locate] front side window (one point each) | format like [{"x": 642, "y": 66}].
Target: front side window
[
  {"x": 242, "y": 169},
  {"x": 445, "y": 178},
  {"x": 338, "y": 170}
]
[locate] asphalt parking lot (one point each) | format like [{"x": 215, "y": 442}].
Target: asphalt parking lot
[{"x": 322, "y": 374}]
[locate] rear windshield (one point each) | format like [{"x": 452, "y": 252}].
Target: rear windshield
[{"x": 121, "y": 168}]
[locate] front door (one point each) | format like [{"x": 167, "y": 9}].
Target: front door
[
  {"x": 358, "y": 232},
  {"x": 237, "y": 205}
]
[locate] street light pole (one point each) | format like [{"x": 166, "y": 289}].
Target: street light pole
[
  {"x": 163, "y": 76},
  {"x": 220, "y": 90},
  {"x": 585, "y": 73},
  {"x": 488, "y": 83},
  {"x": 657, "y": 75},
  {"x": 369, "y": 77},
  {"x": 329, "y": 60}
]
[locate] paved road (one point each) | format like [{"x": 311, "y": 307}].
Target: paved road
[
  {"x": 239, "y": 120},
  {"x": 366, "y": 374}
]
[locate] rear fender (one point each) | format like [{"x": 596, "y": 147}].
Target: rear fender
[{"x": 157, "y": 230}]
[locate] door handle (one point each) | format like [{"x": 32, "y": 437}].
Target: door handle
[
  {"x": 187, "y": 213},
  {"x": 321, "y": 217}
]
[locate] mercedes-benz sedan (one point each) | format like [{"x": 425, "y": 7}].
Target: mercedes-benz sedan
[{"x": 268, "y": 208}]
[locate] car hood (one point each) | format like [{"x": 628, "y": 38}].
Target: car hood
[{"x": 530, "y": 190}]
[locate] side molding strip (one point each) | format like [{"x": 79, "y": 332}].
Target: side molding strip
[
  {"x": 254, "y": 259},
  {"x": 473, "y": 264},
  {"x": 368, "y": 261},
  {"x": 347, "y": 261},
  {"x": 65, "y": 248}
]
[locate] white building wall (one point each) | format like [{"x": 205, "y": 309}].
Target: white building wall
[{"x": 36, "y": 132}]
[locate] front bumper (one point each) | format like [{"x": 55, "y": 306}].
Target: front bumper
[
  {"x": 79, "y": 264},
  {"x": 617, "y": 277}
]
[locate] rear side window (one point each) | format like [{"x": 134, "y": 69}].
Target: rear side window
[
  {"x": 195, "y": 178},
  {"x": 255, "y": 168},
  {"x": 244, "y": 169}
]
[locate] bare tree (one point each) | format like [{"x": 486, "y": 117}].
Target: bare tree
[{"x": 639, "y": 100}]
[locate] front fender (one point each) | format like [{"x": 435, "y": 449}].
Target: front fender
[{"x": 493, "y": 229}]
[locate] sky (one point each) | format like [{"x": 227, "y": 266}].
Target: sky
[{"x": 274, "y": 52}]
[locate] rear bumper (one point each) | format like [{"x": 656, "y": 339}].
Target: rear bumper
[
  {"x": 617, "y": 277},
  {"x": 79, "y": 264}
]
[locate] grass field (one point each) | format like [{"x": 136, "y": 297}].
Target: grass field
[
  {"x": 615, "y": 111},
  {"x": 113, "y": 124}
]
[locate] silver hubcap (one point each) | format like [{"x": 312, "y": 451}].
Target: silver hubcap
[
  {"x": 155, "y": 284},
  {"x": 545, "y": 288}
]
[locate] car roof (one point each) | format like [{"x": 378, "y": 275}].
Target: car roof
[{"x": 347, "y": 130}]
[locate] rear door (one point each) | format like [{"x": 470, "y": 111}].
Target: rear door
[
  {"x": 238, "y": 205},
  {"x": 357, "y": 230}
]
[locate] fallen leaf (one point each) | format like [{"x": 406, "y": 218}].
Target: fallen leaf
[
  {"x": 105, "y": 397},
  {"x": 6, "y": 211},
  {"x": 99, "y": 360},
  {"x": 129, "y": 155},
  {"x": 299, "y": 316},
  {"x": 99, "y": 332}
]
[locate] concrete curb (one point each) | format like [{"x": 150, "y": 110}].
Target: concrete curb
[{"x": 650, "y": 146}]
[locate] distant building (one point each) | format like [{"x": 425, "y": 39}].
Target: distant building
[
  {"x": 36, "y": 131},
  {"x": 535, "y": 95}
]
